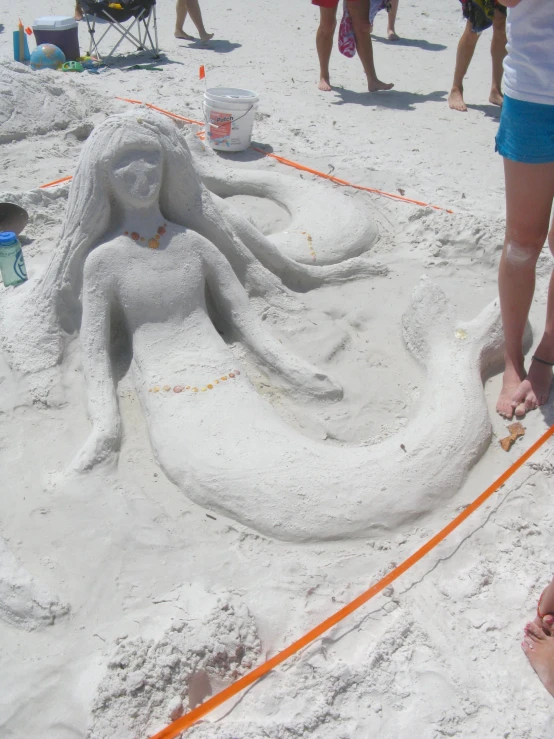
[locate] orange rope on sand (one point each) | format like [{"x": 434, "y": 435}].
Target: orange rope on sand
[
  {"x": 161, "y": 110},
  {"x": 185, "y": 722},
  {"x": 301, "y": 167},
  {"x": 338, "y": 181},
  {"x": 57, "y": 182}
]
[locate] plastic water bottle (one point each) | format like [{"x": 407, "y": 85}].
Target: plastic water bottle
[{"x": 12, "y": 264}]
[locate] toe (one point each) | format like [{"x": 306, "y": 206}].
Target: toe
[
  {"x": 527, "y": 645},
  {"x": 535, "y": 632},
  {"x": 531, "y": 403},
  {"x": 519, "y": 409},
  {"x": 548, "y": 624}
]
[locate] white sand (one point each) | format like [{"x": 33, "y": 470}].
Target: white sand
[{"x": 132, "y": 557}]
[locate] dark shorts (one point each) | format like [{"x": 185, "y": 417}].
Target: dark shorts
[
  {"x": 526, "y": 132},
  {"x": 327, "y": 3},
  {"x": 480, "y": 13}
]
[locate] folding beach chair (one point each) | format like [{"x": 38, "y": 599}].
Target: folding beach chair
[{"x": 142, "y": 31}]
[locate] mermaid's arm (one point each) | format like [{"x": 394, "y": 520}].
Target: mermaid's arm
[
  {"x": 95, "y": 342},
  {"x": 234, "y": 304}
]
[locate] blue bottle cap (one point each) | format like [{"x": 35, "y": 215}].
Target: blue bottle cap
[{"x": 7, "y": 238}]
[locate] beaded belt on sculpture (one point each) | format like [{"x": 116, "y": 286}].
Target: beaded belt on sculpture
[{"x": 181, "y": 388}]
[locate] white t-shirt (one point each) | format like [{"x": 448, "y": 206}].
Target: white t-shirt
[{"x": 529, "y": 66}]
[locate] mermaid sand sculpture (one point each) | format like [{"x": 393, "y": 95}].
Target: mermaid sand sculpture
[
  {"x": 212, "y": 433},
  {"x": 153, "y": 259}
]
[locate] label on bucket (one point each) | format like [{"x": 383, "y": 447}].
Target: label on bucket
[{"x": 220, "y": 126}]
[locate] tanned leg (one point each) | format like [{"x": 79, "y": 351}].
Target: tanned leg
[
  {"x": 180, "y": 17},
  {"x": 193, "y": 9},
  {"x": 529, "y": 194},
  {"x": 196, "y": 17},
  {"x": 393, "y": 10},
  {"x": 324, "y": 44},
  {"x": 359, "y": 12},
  {"x": 498, "y": 52},
  {"x": 464, "y": 55}
]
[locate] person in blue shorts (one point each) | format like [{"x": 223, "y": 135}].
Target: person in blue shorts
[{"x": 526, "y": 141}]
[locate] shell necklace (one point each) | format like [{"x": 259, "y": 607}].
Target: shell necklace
[{"x": 153, "y": 242}]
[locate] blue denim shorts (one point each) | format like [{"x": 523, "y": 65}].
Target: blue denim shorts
[{"x": 526, "y": 132}]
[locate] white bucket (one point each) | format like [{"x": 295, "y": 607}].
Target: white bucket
[{"x": 229, "y": 117}]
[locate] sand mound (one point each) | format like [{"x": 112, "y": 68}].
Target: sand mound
[
  {"x": 36, "y": 103},
  {"x": 150, "y": 683}
]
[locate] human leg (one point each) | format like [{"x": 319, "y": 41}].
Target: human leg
[
  {"x": 78, "y": 11},
  {"x": 359, "y": 12},
  {"x": 498, "y": 52},
  {"x": 191, "y": 7},
  {"x": 393, "y": 10},
  {"x": 464, "y": 55},
  {"x": 180, "y": 16},
  {"x": 196, "y": 17},
  {"x": 324, "y": 44},
  {"x": 529, "y": 194}
]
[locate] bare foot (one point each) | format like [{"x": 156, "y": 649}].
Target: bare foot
[
  {"x": 392, "y": 35},
  {"x": 376, "y": 85},
  {"x": 184, "y": 36},
  {"x": 324, "y": 85},
  {"x": 539, "y": 650},
  {"x": 456, "y": 99},
  {"x": 534, "y": 390},
  {"x": 510, "y": 383},
  {"x": 206, "y": 37},
  {"x": 496, "y": 97},
  {"x": 78, "y": 15}
]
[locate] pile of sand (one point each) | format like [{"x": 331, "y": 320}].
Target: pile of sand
[{"x": 35, "y": 103}]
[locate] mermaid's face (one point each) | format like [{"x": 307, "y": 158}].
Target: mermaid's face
[{"x": 136, "y": 176}]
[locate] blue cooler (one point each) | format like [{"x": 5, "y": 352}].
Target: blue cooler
[{"x": 60, "y": 30}]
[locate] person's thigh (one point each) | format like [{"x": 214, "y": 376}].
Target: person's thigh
[
  {"x": 359, "y": 12},
  {"x": 529, "y": 196}
]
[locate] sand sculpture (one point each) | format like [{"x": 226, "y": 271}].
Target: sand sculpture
[
  {"x": 153, "y": 245},
  {"x": 315, "y": 233}
]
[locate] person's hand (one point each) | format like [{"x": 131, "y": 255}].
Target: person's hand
[{"x": 101, "y": 446}]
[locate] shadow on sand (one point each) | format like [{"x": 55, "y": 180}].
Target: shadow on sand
[
  {"x": 491, "y": 111},
  {"x": 418, "y": 43},
  {"x": 394, "y": 99},
  {"x": 220, "y": 46}
]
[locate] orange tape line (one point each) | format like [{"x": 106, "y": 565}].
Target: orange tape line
[
  {"x": 303, "y": 168},
  {"x": 161, "y": 110},
  {"x": 57, "y": 182},
  {"x": 185, "y": 722}
]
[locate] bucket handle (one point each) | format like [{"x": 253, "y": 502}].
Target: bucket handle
[{"x": 215, "y": 125}]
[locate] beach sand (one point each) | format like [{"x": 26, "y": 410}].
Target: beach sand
[{"x": 132, "y": 558}]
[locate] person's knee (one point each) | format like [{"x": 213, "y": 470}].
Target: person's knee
[
  {"x": 524, "y": 251},
  {"x": 327, "y": 27},
  {"x": 361, "y": 26}
]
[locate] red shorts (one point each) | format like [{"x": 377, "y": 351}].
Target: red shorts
[{"x": 327, "y": 3}]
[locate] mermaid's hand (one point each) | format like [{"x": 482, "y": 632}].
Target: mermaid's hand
[
  {"x": 317, "y": 383},
  {"x": 101, "y": 446}
]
